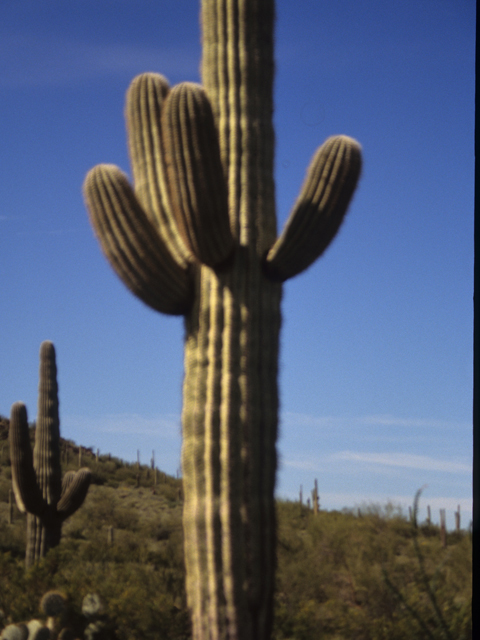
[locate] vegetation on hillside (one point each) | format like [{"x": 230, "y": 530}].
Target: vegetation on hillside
[{"x": 340, "y": 576}]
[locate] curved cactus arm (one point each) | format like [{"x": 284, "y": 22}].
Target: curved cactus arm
[
  {"x": 143, "y": 111},
  {"x": 198, "y": 192},
  {"x": 67, "y": 480},
  {"x": 319, "y": 210},
  {"x": 74, "y": 491},
  {"x": 132, "y": 245},
  {"x": 25, "y": 487}
]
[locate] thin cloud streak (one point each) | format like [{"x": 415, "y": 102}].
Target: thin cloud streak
[
  {"x": 392, "y": 421},
  {"x": 290, "y": 418},
  {"x": 163, "y": 426},
  {"x": 386, "y": 460},
  {"x": 37, "y": 61},
  {"x": 405, "y": 460}
]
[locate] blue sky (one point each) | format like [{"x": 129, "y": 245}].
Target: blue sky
[{"x": 376, "y": 346}]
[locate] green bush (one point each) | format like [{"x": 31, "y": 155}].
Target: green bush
[{"x": 340, "y": 576}]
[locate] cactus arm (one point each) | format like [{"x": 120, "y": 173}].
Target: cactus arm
[
  {"x": 131, "y": 243},
  {"x": 144, "y": 102},
  {"x": 67, "y": 480},
  {"x": 319, "y": 210},
  {"x": 74, "y": 491},
  {"x": 196, "y": 184},
  {"x": 46, "y": 453},
  {"x": 27, "y": 492}
]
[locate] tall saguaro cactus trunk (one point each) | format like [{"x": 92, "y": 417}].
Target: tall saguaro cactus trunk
[
  {"x": 197, "y": 236},
  {"x": 37, "y": 480},
  {"x": 230, "y": 392}
]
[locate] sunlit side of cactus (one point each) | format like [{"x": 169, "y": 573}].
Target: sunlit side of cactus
[
  {"x": 197, "y": 236},
  {"x": 37, "y": 481}
]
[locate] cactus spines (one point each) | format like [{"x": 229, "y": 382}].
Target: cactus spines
[
  {"x": 91, "y": 605},
  {"x": 36, "y": 478},
  {"x": 53, "y": 603},
  {"x": 197, "y": 236}
]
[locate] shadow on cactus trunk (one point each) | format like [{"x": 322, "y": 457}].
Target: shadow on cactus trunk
[{"x": 36, "y": 477}]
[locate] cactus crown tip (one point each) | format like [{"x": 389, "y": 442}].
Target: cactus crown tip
[
  {"x": 18, "y": 405},
  {"x": 46, "y": 347}
]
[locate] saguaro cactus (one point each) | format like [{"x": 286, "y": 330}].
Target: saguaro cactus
[
  {"x": 37, "y": 480},
  {"x": 197, "y": 236}
]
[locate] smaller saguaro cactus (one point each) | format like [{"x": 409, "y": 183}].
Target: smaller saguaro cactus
[
  {"x": 36, "y": 478},
  {"x": 53, "y": 604},
  {"x": 315, "y": 498},
  {"x": 15, "y": 632},
  {"x": 457, "y": 519},
  {"x": 443, "y": 528}
]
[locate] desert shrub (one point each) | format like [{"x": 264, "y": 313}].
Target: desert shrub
[
  {"x": 139, "y": 602},
  {"x": 340, "y": 576},
  {"x": 161, "y": 528},
  {"x": 5, "y": 486},
  {"x": 12, "y": 537},
  {"x": 336, "y": 571}
]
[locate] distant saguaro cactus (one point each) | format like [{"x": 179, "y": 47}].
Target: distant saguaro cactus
[
  {"x": 37, "y": 481},
  {"x": 197, "y": 236},
  {"x": 315, "y": 498}
]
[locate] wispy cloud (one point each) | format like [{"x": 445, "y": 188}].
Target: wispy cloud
[
  {"x": 405, "y": 460},
  {"x": 290, "y": 418},
  {"x": 41, "y": 61},
  {"x": 293, "y": 419},
  {"x": 377, "y": 462},
  {"x": 302, "y": 462},
  {"x": 415, "y": 423},
  {"x": 162, "y": 426}
]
